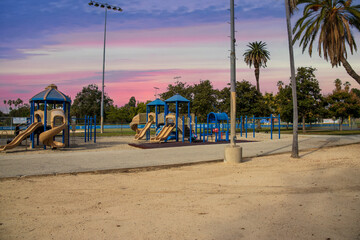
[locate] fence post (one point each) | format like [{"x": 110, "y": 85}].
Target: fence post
[
  {"x": 90, "y": 128},
  {"x": 95, "y": 129},
  {"x": 195, "y": 125},
  {"x": 88, "y": 135},
  {"x": 279, "y": 126},
  {"x": 253, "y": 126},
  {"x": 246, "y": 126},
  {"x": 271, "y": 126},
  {"x": 203, "y": 132},
  {"x": 190, "y": 125},
  {"x": 85, "y": 128},
  {"x": 241, "y": 126}
]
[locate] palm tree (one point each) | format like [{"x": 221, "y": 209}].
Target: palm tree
[
  {"x": 290, "y": 5},
  {"x": 257, "y": 55},
  {"x": 330, "y": 21}
]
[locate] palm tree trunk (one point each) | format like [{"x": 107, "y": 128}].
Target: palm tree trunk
[
  {"x": 350, "y": 71},
  {"x": 295, "y": 143},
  {"x": 257, "y": 75}
]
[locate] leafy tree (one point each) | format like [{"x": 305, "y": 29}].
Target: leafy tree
[
  {"x": 248, "y": 100},
  {"x": 21, "y": 111},
  {"x": 17, "y": 108},
  {"x": 257, "y": 55},
  {"x": 204, "y": 99},
  {"x": 125, "y": 113},
  {"x": 343, "y": 103},
  {"x": 331, "y": 21},
  {"x": 308, "y": 93},
  {"x": 131, "y": 103},
  {"x": 223, "y": 99},
  {"x": 87, "y": 102},
  {"x": 356, "y": 91},
  {"x": 178, "y": 88},
  {"x": 284, "y": 102},
  {"x": 270, "y": 102}
]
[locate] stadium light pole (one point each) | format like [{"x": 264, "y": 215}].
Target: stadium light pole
[{"x": 106, "y": 7}]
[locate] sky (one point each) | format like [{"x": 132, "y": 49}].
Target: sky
[{"x": 151, "y": 43}]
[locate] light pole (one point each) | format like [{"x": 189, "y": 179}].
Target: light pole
[
  {"x": 177, "y": 78},
  {"x": 156, "y": 89},
  {"x": 233, "y": 153},
  {"x": 106, "y": 7}
]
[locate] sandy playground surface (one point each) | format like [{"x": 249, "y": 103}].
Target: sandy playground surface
[{"x": 272, "y": 197}]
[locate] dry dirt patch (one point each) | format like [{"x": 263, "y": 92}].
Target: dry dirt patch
[{"x": 273, "y": 197}]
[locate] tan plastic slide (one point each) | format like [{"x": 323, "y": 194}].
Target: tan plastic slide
[
  {"x": 47, "y": 138},
  {"x": 142, "y": 132},
  {"x": 164, "y": 133},
  {"x": 19, "y": 138}
]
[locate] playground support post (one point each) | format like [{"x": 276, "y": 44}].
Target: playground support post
[{"x": 183, "y": 129}]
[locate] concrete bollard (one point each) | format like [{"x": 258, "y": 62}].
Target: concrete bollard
[{"x": 233, "y": 154}]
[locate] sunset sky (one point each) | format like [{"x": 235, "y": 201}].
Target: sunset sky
[{"x": 148, "y": 44}]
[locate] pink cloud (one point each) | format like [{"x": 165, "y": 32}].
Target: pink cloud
[{"x": 161, "y": 36}]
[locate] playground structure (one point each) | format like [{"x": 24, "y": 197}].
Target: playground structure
[
  {"x": 168, "y": 125},
  {"x": 49, "y": 115},
  {"x": 54, "y": 121},
  {"x": 217, "y": 126}
]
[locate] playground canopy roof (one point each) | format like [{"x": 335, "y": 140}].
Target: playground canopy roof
[
  {"x": 156, "y": 102},
  {"x": 177, "y": 98},
  {"x": 51, "y": 94}
]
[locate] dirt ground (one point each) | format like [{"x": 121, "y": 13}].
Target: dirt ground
[{"x": 273, "y": 197}]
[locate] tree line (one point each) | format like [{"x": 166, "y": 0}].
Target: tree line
[{"x": 204, "y": 98}]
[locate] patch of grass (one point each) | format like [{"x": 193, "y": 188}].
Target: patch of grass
[{"x": 323, "y": 132}]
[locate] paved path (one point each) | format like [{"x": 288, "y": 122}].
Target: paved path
[{"x": 14, "y": 165}]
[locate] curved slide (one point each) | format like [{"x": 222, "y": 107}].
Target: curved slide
[
  {"x": 142, "y": 132},
  {"x": 19, "y": 138},
  {"x": 47, "y": 138}
]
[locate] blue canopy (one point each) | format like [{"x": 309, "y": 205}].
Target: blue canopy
[
  {"x": 51, "y": 94},
  {"x": 176, "y": 98},
  {"x": 156, "y": 102}
]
